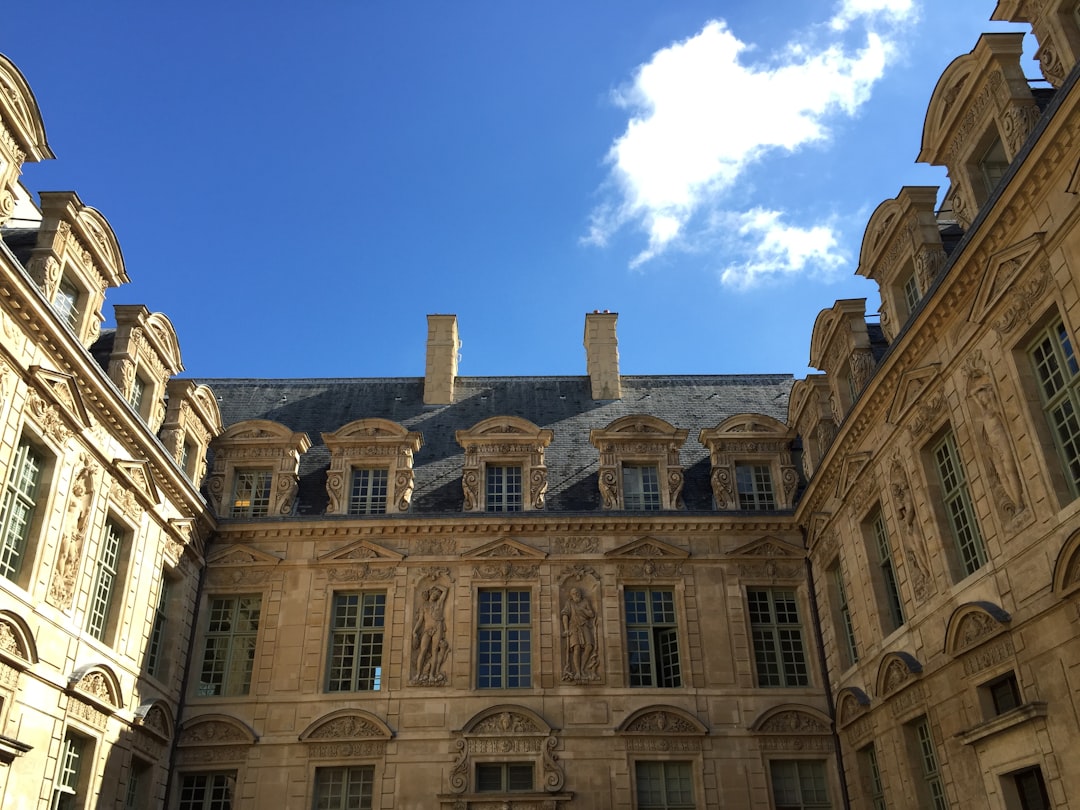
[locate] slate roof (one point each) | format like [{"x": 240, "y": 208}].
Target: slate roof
[{"x": 562, "y": 404}]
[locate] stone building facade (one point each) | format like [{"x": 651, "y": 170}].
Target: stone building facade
[{"x": 858, "y": 589}]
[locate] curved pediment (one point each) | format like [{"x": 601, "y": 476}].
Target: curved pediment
[
  {"x": 1067, "y": 567},
  {"x": 16, "y": 641},
  {"x": 957, "y": 79},
  {"x": 878, "y": 231},
  {"x": 202, "y": 397},
  {"x": 851, "y": 703},
  {"x": 263, "y": 429},
  {"x": 662, "y": 720},
  {"x": 156, "y": 718},
  {"x": 641, "y": 423},
  {"x": 370, "y": 429},
  {"x": 98, "y": 684},
  {"x": 19, "y": 110},
  {"x": 163, "y": 334},
  {"x": 216, "y": 729},
  {"x": 507, "y": 718},
  {"x": 101, "y": 239},
  {"x": 792, "y": 718},
  {"x": 973, "y": 623},
  {"x": 347, "y": 724},
  {"x": 896, "y": 670},
  {"x": 511, "y": 429}
]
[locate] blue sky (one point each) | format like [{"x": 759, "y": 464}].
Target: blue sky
[{"x": 296, "y": 187}]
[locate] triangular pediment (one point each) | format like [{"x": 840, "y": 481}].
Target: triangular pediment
[
  {"x": 1002, "y": 270},
  {"x": 767, "y": 547},
  {"x": 240, "y": 554},
  {"x": 363, "y": 550},
  {"x": 818, "y": 522},
  {"x": 649, "y": 547},
  {"x": 138, "y": 474},
  {"x": 912, "y": 386},
  {"x": 62, "y": 389},
  {"x": 505, "y": 549},
  {"x": 852, "y": 469}
]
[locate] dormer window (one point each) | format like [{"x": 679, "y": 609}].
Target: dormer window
[
  {"x": 504, "y": 467},
  {"x": 137, "y": 393},
  {"x": 256, "y": 469},
  {"x": 640, "y": 467},
  {"x": 251, "y": 493},
  {"x": 753, "y": 482},
  {"x": 367, "y": 494},
  {"x": 751, "y": 463},
  {"x": 371, "y": 468},
  {"x": 993, "y": 165},
  {"x": 66, "y": 301},
  {"x": 910, "y": 288}
]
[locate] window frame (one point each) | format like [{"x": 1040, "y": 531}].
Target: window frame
[
  {"x": 15, "y": 547},
  {"x": 233, "y": 648},
  {"x": 1066, "y": 394},
  {"x": 499, "y": 495},
  {"x": 656, "y": 633},
  {"x": 362, "y": 636},
  {"x": 800, "y": 765},
  {"x": 365, "y": 771},
  {"x": 926, "y": 763},
  {"x": 505, "y": 769},
  {"x": 786, "y": 673},
  {"x": 843, "y": 624},
  {"x": 154, "y": 664},
  {"x": 264, "y": 479},
  {"x": 1016, "y": 798},
  {"x": 636, "y": 493},
  {"x": 873, "y": 784},
  {"x": 499, "y": 634},
  {"x": 71, "y": 782},
  {"x": 369, "y": 501},
  {"x": 968, "y": 550},
  {"x": 69, "y": 311},
  {"x": 217, "y": 780},
  {"x": 663, "y": 766},
  {"x": 884, "y": 581},
  {"x": 110, "y": 574}
]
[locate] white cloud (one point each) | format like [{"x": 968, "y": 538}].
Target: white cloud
[
  {"x": 701, "y": 114},
  {"x": 769, "y": 248}
]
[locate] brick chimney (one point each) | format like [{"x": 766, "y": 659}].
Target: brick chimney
[
  {"x": 442, "y": 357},
  {"x": 602, "y": 354}
]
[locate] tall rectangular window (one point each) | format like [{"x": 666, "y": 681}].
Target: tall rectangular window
[
  {"x": 367, "y": 495},
  {"x": 206, "y": 791},
  {"x": 504, "y": 777},
  {"x": 154, "y": 648},
  {"x": 106, "y": 572},
  {"x": 66, "y": 302},
  {"x": 138, "y": 393},
  {"x": 1058, "y": 374},
  {"x": 69, "y": 787},
  {"x": 799, "y": 784},
  {"x": 641, "y": 487},
  {"x": 137, "y": 795},
  {"x": 652, "y": 637},
  {"x": 912, "y": 296},
  {"x": 753, "y": 482},
  {"x": 923, "y": 744},
  {"x": 17, "y": 511},
  {"x": 229, "y": 651},
  {"x": 993, "y": 165},
  {"x": 958, "y": 508},
  {"x": 504, "y": 639},
  {"x": 1030, "y": 790},
  {"x": 356, "y": 642},
  {"x": 777, "y": 638},
  {"x": 890, "y": 607},
  {"x": 664, "y": 785},
  {"x": 871, "y": 775},
  {"x": 251, "y": 493},
  {"x": 844, "y": 627},
  {"x": 344, "y": 788},
  {"x": 503, "y": 488}
]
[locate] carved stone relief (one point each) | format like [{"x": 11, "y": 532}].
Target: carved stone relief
[
  {"x": 73, "y": 535},
  {"x": 579, "y": 600},
  {"x": 430, "y": 643},
  {"x": 911, "y": 537},
  {"x": 995, "y": 447}
]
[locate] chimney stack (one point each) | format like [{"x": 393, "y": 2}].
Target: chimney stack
[
  {"x": 602, "y": 354},
  {"x": 442, "y": 357}
]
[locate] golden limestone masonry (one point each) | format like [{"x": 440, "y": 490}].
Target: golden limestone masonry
[{"x": 855, "y": 590}]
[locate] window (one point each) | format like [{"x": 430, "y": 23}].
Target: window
[
  {"x": 69, "y": 789},
  {"x": 890, "y": 607},
  {"x": 641, "y": 487},
  {"x": 957, "y": 502},
  {"x": 1059, "y": 387},
  {"x": 137, "y": 795},
  {"x": 367, "y": 495},
  {"x": 106, "y": 572},
  {"x": 65, "y": 302},
  {"x": 652, "y": 638},
  {"x": 17, "y": 511},
  {"x": 993, "y": 165},
  {"x": 229, "y": 652},
  {"x": 1001, "y": 694},
  {"x": 799, "y": 784},
  {"x": 845, "y": 629},
  {"x": 251, "y": 493},
  {"x": 504, "y": 639},
  {"x": 356, "y": 642},
  {"x": 186, "y": 454},
  {"x": 504, "y": 777},
  {"x": 910, "y": 289},
  {"x": 664, "y": 785},
  {"x": 138, "y": 393},
  {"x": 753, "y": 482},
  {"x": 777, "y": 638},
  {"x": 1028, "y": 790},
  {"x": 923, "y": 744},
  {"x": 503, "y": 488},
  {"x": 206, "y": 791},
  {"x": 154, "y": 657},
  {"x": 344, "y": 788},
  {"x": 872, "y": 777}
]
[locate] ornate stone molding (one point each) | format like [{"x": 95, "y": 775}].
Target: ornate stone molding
[
  {"x": 507, "y": 440},
  {"x": 750, "y": 439},
  {"x": 371, "y": 443},
  {"x": 639, "y": 440}
]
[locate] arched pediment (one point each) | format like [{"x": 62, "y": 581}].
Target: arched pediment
[
  {"x": 206, "y": 402},
  {"x": 156, "y": 718},
  {"x": 792, "y": 718},
  {"x": 257, "y": 429},
  {"x": 824, "y": 325},
  {"x": 851, "y": 703},
  {"x": 102, "y": 240},
  {"x": 973, "y": 623},
  {"x": 1067, "y": 567},
  {"x": 878, "y": 228},
  {"x": 16, "y": 641},
  {"x": 642, "y": 423},
  {"x": 368, "y": 429},
  {"x": 505, "y": 425},
  {"x": 216, "y": 729},
  {"x": 662, "y": 720},
  {"x": 164, "y": 335},
  {"x": 98, "y": 684},
  {"x": 20, "y": 111},
  {"x": 507, "y": 718},
  {"x": 896, "y": 670},
  {"x": 943, "y": 106},
  {"x": 347, "y": 724}
]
